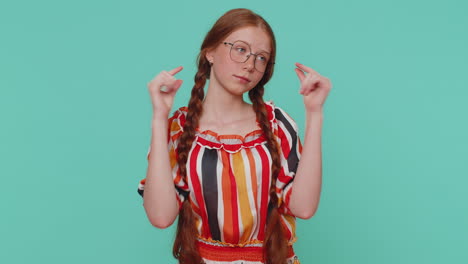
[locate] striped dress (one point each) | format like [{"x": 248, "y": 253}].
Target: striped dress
[{"x": 228, "y": 182}]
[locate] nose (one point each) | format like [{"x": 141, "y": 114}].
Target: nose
[{"x": 249, "y": 64}]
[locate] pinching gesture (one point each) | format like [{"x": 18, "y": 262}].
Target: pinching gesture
[
  {"x": 162, "y": 90},
  {"x": 314, "y": 88}
]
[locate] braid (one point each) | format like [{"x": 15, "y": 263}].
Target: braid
[
  {"x": 185, "y": 249},
  {"x": 195, "y": 109},
  {"x": 275, "y": 246},
  {"x": 256, "y": 96}
]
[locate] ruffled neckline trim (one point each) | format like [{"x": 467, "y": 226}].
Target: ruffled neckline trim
[{"x": 229, "y": 142}]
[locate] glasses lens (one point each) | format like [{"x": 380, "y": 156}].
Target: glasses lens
[
  {"x": 240, "y": 51},
  {"x": 261, "y": 62}
]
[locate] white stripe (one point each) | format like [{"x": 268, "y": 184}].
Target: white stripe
[
  {"x": 250, "y": 191},
  {"x": 258, "y": 174},
  {"x": 286, "y": 190}
]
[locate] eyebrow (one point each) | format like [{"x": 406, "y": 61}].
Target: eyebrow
[{"x": 251, "y": 46}]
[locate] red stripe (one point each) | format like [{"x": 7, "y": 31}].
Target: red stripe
[
  {"x": 282, "y": 176},
  {"x": 226, "y": 189},
  {"x": 224, "y": 253},
  {"x": 284, "y": 142},
  {"x": 285, "y": 149},
  {"x": 197, "y": 189},
  {"x": 265, "y": 191},
  {"x": 235, "y": 212}
]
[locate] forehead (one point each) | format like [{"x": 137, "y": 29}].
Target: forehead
[{"x": 255, "y": 36}]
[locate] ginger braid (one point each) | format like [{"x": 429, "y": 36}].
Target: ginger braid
[
  {"x": 275, "y": 244},
  {"x": 185, "y": 249}
]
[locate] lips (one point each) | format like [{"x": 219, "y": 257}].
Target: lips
[{"x": 242, "y": 78}]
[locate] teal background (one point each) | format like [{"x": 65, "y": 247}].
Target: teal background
[{"x": 75, "y": 124}]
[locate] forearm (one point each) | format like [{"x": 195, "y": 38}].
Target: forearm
[
  {"x": 160, "y": 200},
  {"x": 307, "y": 183}
]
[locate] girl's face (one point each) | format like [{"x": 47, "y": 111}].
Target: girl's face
[{"x": 228, "y": 71}]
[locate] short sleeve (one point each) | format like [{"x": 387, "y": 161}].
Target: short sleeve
[
  {"x": 290, "y": 153},
  {"x": 175, "y": 131}
]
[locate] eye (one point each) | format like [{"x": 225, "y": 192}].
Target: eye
[
  {"x": 262, "y": 58},
  {"x": 240, "y": 49}
]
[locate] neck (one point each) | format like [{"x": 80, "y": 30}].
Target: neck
[{"x": 219, "y": 104}]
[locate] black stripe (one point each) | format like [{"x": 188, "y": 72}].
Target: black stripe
[
  {"x": 293, "y": 159},
  {"x": 182, "y": 192},
  {"x": 179, "y": 190},
  {"x": 210, "y": 190}
]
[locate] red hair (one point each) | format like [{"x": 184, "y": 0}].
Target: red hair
[{"x": 275, "y": 244}]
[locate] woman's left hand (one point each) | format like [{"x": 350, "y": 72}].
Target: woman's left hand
[{"x": 314, "y": 88}]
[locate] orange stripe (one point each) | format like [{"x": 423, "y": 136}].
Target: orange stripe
[
  {"x": 172, "y": 157},
  {"x": 226, "y": 183}
]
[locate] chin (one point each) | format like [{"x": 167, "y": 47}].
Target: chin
[{"x": 241, "y": 91}]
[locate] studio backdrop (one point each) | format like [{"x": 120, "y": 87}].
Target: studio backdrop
[{"x": 75, "y": 117}]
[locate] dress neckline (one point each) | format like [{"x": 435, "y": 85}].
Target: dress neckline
[
  {"x": 230, "y": 142},
  {"x": 230, "y": 136}
]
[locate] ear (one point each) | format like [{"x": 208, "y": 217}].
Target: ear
[{"x": 209, "y": 55}]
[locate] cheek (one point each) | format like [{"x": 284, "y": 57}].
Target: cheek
[
  {"x": 227, "y": 67},
  {"x": 257, "y": 79},
  {"x": 224, "y": 67}
]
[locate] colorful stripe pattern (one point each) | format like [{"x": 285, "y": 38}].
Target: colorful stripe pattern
[
  {"x": 216, "y": 253},
  {"x": 229, "y": 178}
]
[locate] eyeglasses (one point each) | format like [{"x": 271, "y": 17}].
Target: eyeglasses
[{"x": 241, "y": 52}]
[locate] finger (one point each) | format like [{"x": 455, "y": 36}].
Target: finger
[
  {"x": 164, "y": 89},
  {"x": 308, "y": 91},
  {"x": 312, "y": 79},
  {"x": 305, "y": 68},
  {"x": 310, "y": 83},
  {"x": 175, "y": 71},
  {"x": 172, "y": 87},
  {"x": 177, "y": 85},
  {"x": 300, "y": 74}
]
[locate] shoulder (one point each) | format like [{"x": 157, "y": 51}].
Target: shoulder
[
  {"x": 177, "y": 119},
  {"x": 279, "y": 116}
]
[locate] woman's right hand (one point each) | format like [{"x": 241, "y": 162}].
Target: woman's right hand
[{"x": 162, "y": 90}]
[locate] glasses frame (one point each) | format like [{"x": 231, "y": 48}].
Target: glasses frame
[{"x": 248, "y": 55}]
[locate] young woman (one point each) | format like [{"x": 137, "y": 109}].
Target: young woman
[{"x": 239, "y": 185}]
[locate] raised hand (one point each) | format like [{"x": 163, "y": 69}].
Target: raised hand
[
  {"x": 162, "y": 90},
  {"x": 314, "y": 87}
]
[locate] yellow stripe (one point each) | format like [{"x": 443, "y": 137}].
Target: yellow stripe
[
  {"x": 292, "y": 223},
  {"x": 242, "y": 192}
]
